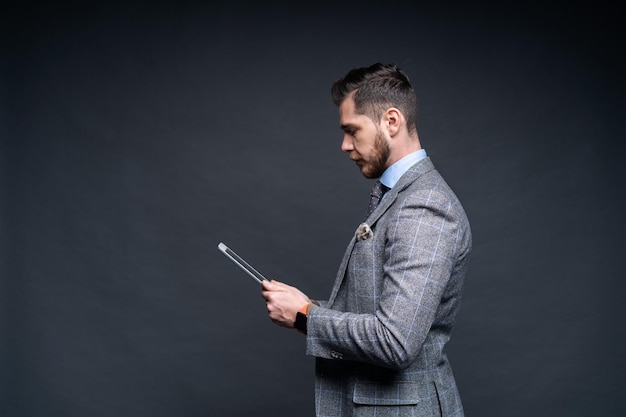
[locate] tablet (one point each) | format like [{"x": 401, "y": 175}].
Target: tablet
[{"x": 239, "y": 261}]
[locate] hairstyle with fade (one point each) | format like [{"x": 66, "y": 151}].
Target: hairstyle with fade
[{"x": 376, "y": 89}]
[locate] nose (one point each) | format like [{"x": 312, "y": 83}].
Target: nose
[{"x": 346, "y": 143}]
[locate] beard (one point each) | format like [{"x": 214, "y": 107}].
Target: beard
[{"x": 378, "y": 162}]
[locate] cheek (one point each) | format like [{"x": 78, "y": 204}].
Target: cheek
[
  {"x": 365, "y": 149},
  {"x": 358, "y": 144}
]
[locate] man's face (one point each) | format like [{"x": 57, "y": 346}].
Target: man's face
[{"x": 363, "y": 140}]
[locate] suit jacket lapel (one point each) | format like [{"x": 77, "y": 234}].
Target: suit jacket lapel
[
  {"x": 416, "y": 171},
  {"x": 342, "y": 271},
  {"x": 407, "y": 179}
]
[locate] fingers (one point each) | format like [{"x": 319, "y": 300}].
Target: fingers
[
  {"x": 277, "y": 308},
  {"x": 279, "y": 286},
  {"x": 273, "y": 285},
  {"x": 282, "y": 302},
  {"x": 267, "y": 289},
  {"x": 268, "y": 293}
]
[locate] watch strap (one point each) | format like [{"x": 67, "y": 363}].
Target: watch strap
[{"x": 301, "y": 319}]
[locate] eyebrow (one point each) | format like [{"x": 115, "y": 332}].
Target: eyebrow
[{"x": 347, "y": 126}]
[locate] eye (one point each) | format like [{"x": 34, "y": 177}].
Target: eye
[{"x": 350, "y": 131}]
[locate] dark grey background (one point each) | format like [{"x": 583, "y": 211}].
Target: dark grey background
[{"x": 136, "y": 137}]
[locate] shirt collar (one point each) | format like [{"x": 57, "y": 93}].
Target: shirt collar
[{"x": 392, "y": 174}]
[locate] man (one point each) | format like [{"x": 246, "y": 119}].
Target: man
[{"x": 379, "y": 339}]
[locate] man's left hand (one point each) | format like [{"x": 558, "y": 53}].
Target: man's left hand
[{"x": 283, "y": 302}]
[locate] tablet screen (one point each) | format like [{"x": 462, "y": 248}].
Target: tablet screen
[{"x": 241, "y": 263}]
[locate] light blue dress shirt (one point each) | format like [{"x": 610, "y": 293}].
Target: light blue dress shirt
[{"x": 392, "y": 174}]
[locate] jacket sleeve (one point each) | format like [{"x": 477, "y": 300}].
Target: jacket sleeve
[{"x": 424, "y": 241}]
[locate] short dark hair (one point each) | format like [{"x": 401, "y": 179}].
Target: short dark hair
[{"x": 377, "y": 88}]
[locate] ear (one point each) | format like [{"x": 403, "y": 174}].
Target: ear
[{"x": 392, "y": 120}]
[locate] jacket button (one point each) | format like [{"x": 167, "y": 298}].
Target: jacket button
[{"x": 336, "y": 355}]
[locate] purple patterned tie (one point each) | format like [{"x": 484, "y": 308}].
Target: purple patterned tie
[{"x": 378, "y": 190}]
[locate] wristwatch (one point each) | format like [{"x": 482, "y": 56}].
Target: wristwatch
[{"x": 301, "y": 320}]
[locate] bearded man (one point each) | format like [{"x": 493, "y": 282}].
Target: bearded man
[{"x": 379, "y": 339}]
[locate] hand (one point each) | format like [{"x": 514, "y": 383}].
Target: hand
[{"x": 283, "y": 302}]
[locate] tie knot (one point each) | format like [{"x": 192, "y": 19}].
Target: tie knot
[{"x": 378, "y": 190}]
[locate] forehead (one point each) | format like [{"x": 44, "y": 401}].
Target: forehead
[
  {"x": 347, "y": 106},
  {"x": 348, "y": 115}
]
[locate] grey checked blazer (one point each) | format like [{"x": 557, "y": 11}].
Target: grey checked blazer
[{"x": 379, "y": 339}]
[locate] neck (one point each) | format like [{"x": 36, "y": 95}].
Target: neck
[{"x": 403, "y": 148}]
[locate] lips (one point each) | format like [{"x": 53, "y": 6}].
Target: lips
[{"x": 357, "y": 160}]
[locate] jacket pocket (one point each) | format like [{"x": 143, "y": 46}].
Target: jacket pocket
[{"x": 399, "y": 393}]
